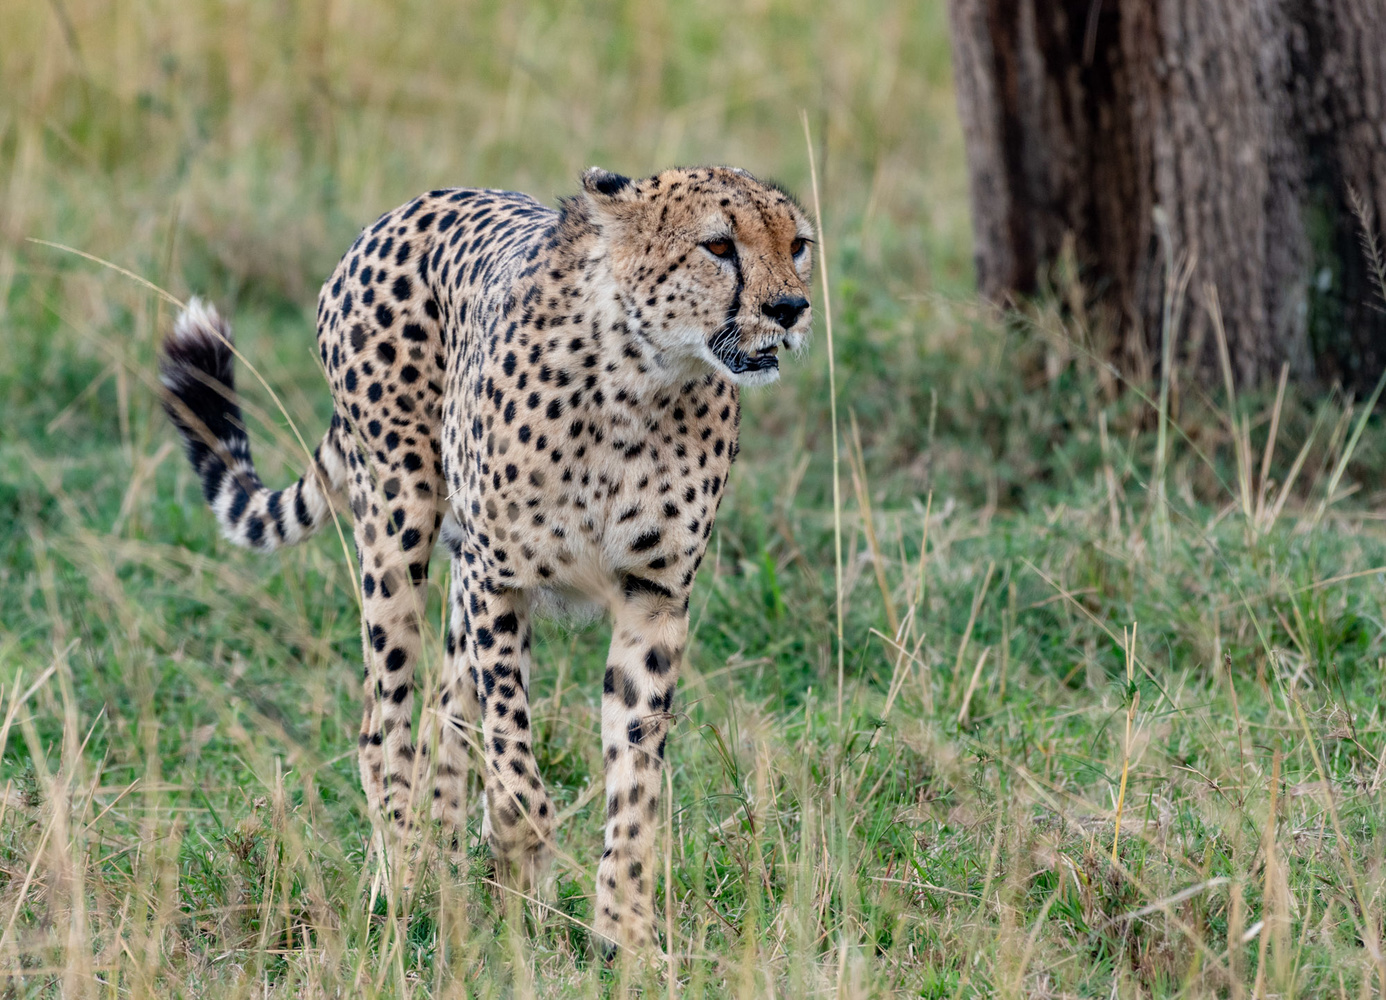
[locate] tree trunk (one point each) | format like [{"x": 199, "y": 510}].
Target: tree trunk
[{"x": 1234, "y": 129}]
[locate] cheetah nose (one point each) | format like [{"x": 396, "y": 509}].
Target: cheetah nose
[{"x": 785, "y": 310}]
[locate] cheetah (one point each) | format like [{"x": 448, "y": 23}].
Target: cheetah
[{"x": 551, "y": 397}]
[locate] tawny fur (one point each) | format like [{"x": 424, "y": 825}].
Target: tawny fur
[{"x": 552, "y": 396}]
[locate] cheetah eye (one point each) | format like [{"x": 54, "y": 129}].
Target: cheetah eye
[
  {"x": 724, "y": 249},
  {"x": 797, "y": 247}
]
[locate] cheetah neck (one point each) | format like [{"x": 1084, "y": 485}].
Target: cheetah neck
[{"x": 578, "y": 289}]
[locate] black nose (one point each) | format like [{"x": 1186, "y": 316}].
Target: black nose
[{"x": 785, "y": 310}]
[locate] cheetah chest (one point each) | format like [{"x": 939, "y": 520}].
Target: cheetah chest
[{"x": 614, "y": 485}]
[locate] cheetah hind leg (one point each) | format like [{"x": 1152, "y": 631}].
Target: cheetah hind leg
[
  {"x": 454, "y": 721},
  {"x": 519, "y": 815},
  {"x": 394, "y": 582}
]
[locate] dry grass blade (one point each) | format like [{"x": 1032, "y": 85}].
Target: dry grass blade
[
  {"x": 832, "y": 407},
  {"x": 1240, "y": 431},
  {"x": 1259, "y": 519},
  {"x": 977, "y": 598},
  {"x": 857, "y": 464},
  {"x": 1133, "y": 696},
  {"x": 972, "y": 686},
  {"x": 1345, "y": 456},
  {"x": 1179, "y": 271},
  {"x": 168, "y": 297}
]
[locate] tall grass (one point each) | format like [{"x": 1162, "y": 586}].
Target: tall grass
[{"x": 1113, "y": 652}]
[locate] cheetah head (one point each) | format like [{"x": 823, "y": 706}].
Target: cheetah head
[{"x": 712, "y": 267}]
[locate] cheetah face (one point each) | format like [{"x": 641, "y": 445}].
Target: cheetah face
[{"x": 712, "y": 268}]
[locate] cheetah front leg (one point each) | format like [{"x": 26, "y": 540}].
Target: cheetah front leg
[
  {"x": 519, "y": 816},
  {"x": 649, "y": 630}
]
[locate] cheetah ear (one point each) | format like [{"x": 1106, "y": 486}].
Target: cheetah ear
[{"x": 604, "y": 186}]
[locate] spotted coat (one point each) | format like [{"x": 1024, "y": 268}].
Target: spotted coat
[{"x": 551, "y": 397}]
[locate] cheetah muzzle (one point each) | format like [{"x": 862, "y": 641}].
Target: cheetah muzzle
[{"x": 551, "y": 397}]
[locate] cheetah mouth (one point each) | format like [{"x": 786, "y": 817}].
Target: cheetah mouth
[{"x": 741, "y": 362}]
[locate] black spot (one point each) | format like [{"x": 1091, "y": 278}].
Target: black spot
[
  {"x": 395, "y": 659},
  {"x": 402, "y": 288},
  {"x": 634, "y": 731},
  {"x": 409, "y": 539},
  {"x": 657, "y": 661},
  {"x": 639, "y": 585},
  {"x": 385, "y": 352},
  {"x": 646, "y": 541},
  {"x": 384, "y": 315}
]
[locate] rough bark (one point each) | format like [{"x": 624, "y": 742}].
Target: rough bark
[{"x": 1235, "y": 127}]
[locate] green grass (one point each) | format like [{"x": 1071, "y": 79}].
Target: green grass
[{"x": 179, "y": 808}]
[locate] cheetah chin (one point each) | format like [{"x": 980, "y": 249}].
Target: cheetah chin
[
  {"x": 552, "y": 398},
  {"x": 757, "y": 365}
]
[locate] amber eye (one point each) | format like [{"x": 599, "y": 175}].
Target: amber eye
[
  {"x": 797, "y": 247},
  {"x": 720, "y": 248}
]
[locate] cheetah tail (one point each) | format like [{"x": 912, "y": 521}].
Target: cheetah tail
[{"x": 197, "y": 370}]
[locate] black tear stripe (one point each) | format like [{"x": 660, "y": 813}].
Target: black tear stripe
[
  {"x": 735, "y": 308},
  {"x": 725, "y": 342},
  {"x": 731, "y": 354}
]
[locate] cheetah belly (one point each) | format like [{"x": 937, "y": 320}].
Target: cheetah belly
[{"x": 565, "y": 605}]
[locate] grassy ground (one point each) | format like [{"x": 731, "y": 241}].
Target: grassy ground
[{"x": 1109, "y": 717}]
